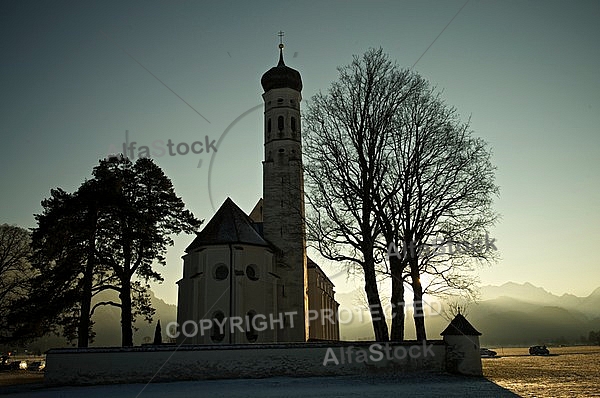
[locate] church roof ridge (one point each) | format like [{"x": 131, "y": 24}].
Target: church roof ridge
[{"x": 229, "y": 225}]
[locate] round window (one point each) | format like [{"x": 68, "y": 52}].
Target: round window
[
  {"x": 221, "y": 272},
  {"x": 252, "y": 272}
]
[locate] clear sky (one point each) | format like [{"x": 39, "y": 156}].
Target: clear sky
[{"x": 526, "y": 72}]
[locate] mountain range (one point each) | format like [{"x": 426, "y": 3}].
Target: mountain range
[{"x": 512, "y": 314}]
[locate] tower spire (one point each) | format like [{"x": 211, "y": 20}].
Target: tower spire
[
  {"x": 281, "y": 76},
  {"x": 281, "y": 34}
]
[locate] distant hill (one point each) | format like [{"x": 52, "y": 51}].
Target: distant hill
[
  {"x": 108, "y": 327},
  {"x": 510, "y": 314},
  {"x": 529, "y": 293}
]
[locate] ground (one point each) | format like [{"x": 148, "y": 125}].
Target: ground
[
  {"x": 569, "y": 372},
  {"x": 414, "y": 386}
]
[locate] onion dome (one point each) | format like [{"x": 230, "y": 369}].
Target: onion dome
[{"x": 281, "y": 76}]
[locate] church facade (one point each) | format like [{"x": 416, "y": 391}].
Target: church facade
[{"x": 247, "y": 278}]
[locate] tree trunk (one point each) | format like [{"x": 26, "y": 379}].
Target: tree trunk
[
  {"x": 375, "y": 308},
  {"x": 83, "y": 329},
  {"x": 397, "y": 301},
  {"x": 417, "y": 300},
  {"x": 126, "y": 323}
]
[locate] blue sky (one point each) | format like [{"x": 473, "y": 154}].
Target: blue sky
[{"x": 525, "y": 72}]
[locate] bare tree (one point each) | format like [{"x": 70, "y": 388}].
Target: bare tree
[
  {"x": 345, "y": 134},
  {"x": 390, "y": 165},
  {"x": 437, "y": 194},
  {"x": 15, "y": 271},
  {"x": 455, "y": 306}
]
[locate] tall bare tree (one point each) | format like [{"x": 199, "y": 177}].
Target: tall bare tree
[
  {"x": 389, "y": 164},
  {"x": 345, "y": 135},
  {"x": 437, "y": 197}
]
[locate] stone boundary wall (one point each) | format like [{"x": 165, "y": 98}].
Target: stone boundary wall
[{"x": 76, "y": 366}]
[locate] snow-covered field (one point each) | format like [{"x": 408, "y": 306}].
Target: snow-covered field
[
  {"x": 568, "y": 372},
  {"x": 421, "y": 385}
]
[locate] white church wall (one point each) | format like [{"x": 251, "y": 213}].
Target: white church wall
[
  {"x": 255, "y": 293},
  {"x": 206, "y": 290}
]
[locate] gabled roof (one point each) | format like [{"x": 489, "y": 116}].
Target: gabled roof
[
  {"x": 229, "y": 225},
  {"x": 459, "y": 326}
]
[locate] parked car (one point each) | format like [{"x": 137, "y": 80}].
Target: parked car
[
  {"x": 5, "y": 362},
  {"x": 37, "y": 366},
  {"x": 539, "y": 350},
  {"x": 15, "y": 365},
  {"x": 487, "y": 353}
]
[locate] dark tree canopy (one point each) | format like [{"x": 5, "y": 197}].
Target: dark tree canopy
[
  {"x": 109, "y": 235},
  {"x": 142, "y": 212}
]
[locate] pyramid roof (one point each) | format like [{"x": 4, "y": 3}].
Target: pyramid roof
[
  {"x": 229, "y": 225},
  {"x": 459, "y": 326}
]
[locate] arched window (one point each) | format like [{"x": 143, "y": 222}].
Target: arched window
[
  {"x": 251, "y": 333},
  {"x": 269, "y": 125},
  {"x": 280, "y": 123},
  {"x": 294, "y": 124},
  {"x": 217, "y": 334}
]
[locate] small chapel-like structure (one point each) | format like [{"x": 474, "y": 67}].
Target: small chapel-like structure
[{"x": 254, "y": 266}]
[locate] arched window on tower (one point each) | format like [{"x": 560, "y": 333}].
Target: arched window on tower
[
  {"x": 269, "y": 125},
  {"x": 293, "y": 124},
  {"x": 280, "y": 123}
]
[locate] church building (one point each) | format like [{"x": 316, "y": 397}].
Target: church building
[{"x": 254, "y": 268}]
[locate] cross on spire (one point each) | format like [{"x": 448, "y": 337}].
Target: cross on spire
[{"x": 280, "y": 34}]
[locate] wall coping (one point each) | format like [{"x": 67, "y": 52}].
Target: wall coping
[{"x": 227, "y": 347}]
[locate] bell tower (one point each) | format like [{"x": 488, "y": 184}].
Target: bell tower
[{"x": 283, "y": 193}]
